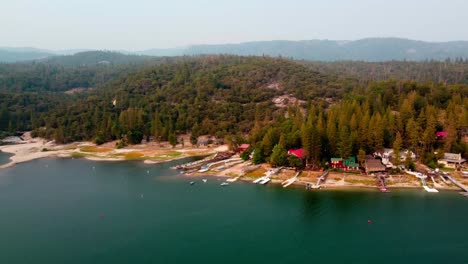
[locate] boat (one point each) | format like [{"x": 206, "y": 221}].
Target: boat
[
  {"x": 192, "y": 183},
  {"x": 204, "y": 180},
  {"x": 224, "y": 184},
  {"x": 384, "y": 190},
  {"x": 259, "y": 179},
  {"x": 265, "y": 180},
  {"x": 232, "y": 179}
]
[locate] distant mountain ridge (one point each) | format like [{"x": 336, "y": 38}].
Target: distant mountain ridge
[{"x": 369, "y": 49}]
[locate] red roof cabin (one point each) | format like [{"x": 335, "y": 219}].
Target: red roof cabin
[
  {"x": 296, "y": 152},
  {"x": 242, "y": 148},
  {"x": 337, "y": 163},
  {"x": 441, "y": 135}
]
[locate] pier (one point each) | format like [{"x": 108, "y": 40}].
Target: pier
[
  {"x": 423, "y": 180},
  {"x": 290, "y": 181},
  {"x": 320, "y": 179},
  {"x": 461, "y": 186}
]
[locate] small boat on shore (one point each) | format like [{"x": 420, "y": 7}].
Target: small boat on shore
[
  {"x": 265, "y": 180},
  {"x": 232, "y": 179}
]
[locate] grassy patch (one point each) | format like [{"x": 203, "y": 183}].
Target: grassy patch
[
  {"x": 94, "y": 149},
  {"x": 78, "y": 155},
  {"x": 447, "y": 169},
  {"x": 134, "y": 155},
  {"x": 256, "y": 173},
  {"x": 365, "y": 182}
]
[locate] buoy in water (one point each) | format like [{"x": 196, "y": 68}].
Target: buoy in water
[
  {"x": 369, "y": 221},
  {"x": 101, "y": 216}
]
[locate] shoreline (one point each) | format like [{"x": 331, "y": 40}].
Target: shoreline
[
  {"x": 38, "y": 148},
  {"x": 331, "y": 184}
]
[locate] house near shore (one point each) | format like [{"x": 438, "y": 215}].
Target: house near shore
[
  {"x": 299, "y": 153},
  {"x": 242, "y": 148},
  {"x": 373, "y": 166},
  {"x": 344, "y": 164},
  {"x": 441, "y": 135},
  {"x": 452, "y": 160},
  {"x": 388, "y": 156}
]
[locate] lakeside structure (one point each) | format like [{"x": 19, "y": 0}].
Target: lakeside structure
[
  {"x": 452, "y": 160},
  {"x": 347, "y": 173}
]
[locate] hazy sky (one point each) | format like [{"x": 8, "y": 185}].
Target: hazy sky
[{"x": 142, "y": 24}]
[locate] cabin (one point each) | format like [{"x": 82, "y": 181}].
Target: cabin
[
  {"x": 441, "y": 135},
  {"x": 242, "y": 148},
  {"x": 344, "y": 164},
  {"x": 351, "y": 164},
  {"x": 373, "y": 166},
  {"x": 299, "y": 153},
  {"x": 337, "y": 163},
  {"x": 452, "y": 160}
]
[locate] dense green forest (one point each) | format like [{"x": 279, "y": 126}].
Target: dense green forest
[{"x": 334, "y": 109}]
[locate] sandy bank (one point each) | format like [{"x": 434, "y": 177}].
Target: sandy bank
[{"x": 152, "y": 153}]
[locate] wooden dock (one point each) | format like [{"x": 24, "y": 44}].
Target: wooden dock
[
  {"x": 461, "y": 186},
  {"x": 290, "y": 181}
]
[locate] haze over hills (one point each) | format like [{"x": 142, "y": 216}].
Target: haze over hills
[{"x": 370, "y": 49}]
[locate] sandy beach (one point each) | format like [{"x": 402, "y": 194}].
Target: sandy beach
[{"x": 152, "y": 153}]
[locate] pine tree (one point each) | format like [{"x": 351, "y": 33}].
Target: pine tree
[
  {"x": 278, "y": 156},
  {"x": 396, "y": 149}
]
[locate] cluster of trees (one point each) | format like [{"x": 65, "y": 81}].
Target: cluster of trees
[
  {"x": 217, "y": 95},
  {"x": 364, "y": 125},
  {"x": 232, "y": 97}
]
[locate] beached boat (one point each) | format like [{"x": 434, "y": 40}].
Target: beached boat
[
  {"x": 265, "y": 180},
  {"x": 259, "y": 179},
  {"x": 232, "y": 179}
]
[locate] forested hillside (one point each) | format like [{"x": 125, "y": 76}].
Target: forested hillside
[
  {"x": 274, "y": 104},
  {"x": 447, "y": 72},
  {"x": 63, "y": 73}
]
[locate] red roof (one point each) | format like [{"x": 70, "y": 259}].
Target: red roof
[
  {"x": 296, "y": 152},
  {"x": 441, "y": 134},
  {"x": 244, "y": 146}
]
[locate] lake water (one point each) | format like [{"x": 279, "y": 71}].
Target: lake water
[
  {"x": 77, "y": 211},
  {"x": 4, "y": 158}
]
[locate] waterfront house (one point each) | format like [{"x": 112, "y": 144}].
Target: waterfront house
[
  {"x": 351, "y": 164},
  {"x": 242, "y": 148},
  {"x": 441, "y": 135},
  {"x": 337, "y": 163},
  {"x": 452, "y": 160},
  {"x": 374, "y": 165},
  {"x": 388, "y": 157},
  {"x": 296, "y": 152},
  {"x": 344, "y": 164}
]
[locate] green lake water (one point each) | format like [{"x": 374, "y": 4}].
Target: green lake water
[{"x": 77, "y": 211}]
